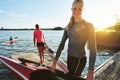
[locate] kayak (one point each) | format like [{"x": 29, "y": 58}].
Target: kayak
[
  {"x": 24, "y": 72},
  {"x": 20, "y": 71},
  {"x": 10, "y": 41},
  {"x": 28, "y": 72},
  {"x": 58, "y": 73}
]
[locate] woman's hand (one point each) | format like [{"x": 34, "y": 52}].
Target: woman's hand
[
  {"x": 90, "y": 75},
  {"x": 34, "y": 45},
  {"x": 53, "y": 67}
]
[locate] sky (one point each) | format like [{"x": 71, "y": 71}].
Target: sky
[{"x": 54, "y": 13}]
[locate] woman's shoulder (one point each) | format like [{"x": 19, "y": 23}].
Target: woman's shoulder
[{"x": 88, "y": 24}]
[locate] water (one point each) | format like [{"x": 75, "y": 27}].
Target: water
[{"x": 25, "y": 45}]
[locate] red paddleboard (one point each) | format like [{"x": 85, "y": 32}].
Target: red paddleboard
[
  {"x": 45, "y": 72},
  {"x": 20, "y": 71},
  {"x": 28, "y": 71},
  {"x": 23, "y": 72}
]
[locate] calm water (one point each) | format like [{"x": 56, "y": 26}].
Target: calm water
[{"x": 25, "y": 44}]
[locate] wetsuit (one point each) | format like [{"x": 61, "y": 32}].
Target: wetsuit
[
  {"x": 11, "y": 39},
  {"x": 78, "y": 35}
]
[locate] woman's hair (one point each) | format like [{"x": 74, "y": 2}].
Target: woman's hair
[
  {"x": 77, "y": 1},
  {"x": 72, "y": 18}
]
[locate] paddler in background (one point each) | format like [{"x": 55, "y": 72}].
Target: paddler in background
[{"x": 10, "y": 39}]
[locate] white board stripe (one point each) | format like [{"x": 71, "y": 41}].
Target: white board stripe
[{"x": 13, "y": 69}]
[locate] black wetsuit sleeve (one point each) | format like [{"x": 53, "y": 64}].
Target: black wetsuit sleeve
[
  {"x": 61, "y": 45},
  {"x": 92, "y": 47}
]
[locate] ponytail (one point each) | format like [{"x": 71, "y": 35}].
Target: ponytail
[{"x": 70, "y": 23}]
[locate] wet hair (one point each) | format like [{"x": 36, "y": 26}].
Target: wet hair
[
  {"x": 72, "y": 18},
  {"x": 77, "y": 1},
  {"x": 37, "y": 26}
]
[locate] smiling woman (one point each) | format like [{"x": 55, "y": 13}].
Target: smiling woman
[{"x": 78, "y": 32}]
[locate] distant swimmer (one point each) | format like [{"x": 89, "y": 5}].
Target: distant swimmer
[{"x": 11, "y": 40}]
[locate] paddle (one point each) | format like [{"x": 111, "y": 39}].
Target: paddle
[
  {"x": 60, "y": 62},
  {"x": 57, "y": 72}
]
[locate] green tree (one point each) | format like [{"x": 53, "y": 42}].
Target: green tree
[{"x": 58, "y": 28}]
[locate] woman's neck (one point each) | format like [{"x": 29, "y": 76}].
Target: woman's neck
[{"x": 78, "y": 19}]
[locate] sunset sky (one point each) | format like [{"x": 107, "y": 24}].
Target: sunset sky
[{"x": 53, "y": 13}]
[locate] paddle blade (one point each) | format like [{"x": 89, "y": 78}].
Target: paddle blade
[{"x": 50, "y": 50}]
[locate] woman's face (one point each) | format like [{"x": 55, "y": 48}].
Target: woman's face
[{"x": 77, "y": 9}]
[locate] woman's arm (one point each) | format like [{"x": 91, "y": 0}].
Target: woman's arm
[
  {"x": 92, "y": 47},
  {"x": 61, "y": 46}
]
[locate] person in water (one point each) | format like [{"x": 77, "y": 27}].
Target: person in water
[
  {"x": 78, "y": 32},
  {"x": 10, "y": 39},
  {"x": 39, "y": 40}
]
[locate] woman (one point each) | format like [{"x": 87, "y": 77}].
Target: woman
[
  {"x": 40, "y": 41},
  {"x": 78, "y": 32}
]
